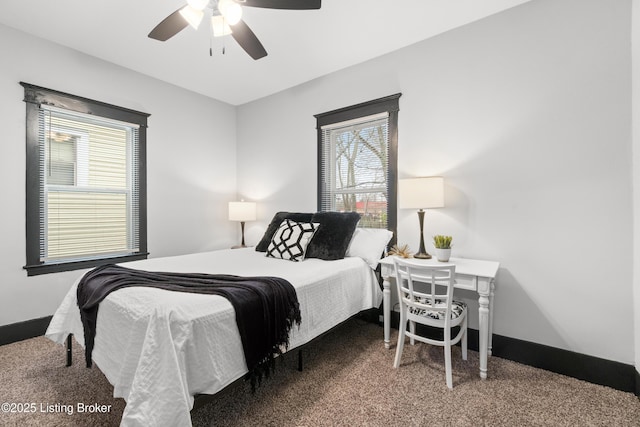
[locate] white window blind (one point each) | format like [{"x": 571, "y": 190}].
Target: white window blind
[
  {"x": 89, "y": 186},
  {"x": 354, "y": 168}
]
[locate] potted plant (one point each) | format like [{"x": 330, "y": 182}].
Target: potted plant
[{"x": 443, "y": 247}]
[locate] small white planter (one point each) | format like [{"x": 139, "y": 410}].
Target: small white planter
[{"x": 443, "y": 255}]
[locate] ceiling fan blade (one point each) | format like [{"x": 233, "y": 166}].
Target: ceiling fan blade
[
  {"x": 248, "y": 40},
  {"x": 169, "y": 27},
  {"x": 284, "y": 4}
]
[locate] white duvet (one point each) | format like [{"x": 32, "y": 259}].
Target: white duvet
[{"x": 159, "y": 348}]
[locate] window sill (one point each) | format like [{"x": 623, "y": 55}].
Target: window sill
[{"x": 35, "y": 270}]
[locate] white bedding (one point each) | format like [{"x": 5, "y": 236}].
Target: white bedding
[{"x": 160, "y": 348}]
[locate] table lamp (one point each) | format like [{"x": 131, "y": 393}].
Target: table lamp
[
  {"x": 421, "y": 193},
  {"x": 242, "y": 211}
]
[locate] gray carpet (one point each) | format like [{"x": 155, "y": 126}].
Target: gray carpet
[{"x": 348, "y": 380}]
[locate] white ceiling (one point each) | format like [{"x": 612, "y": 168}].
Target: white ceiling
[{"x": 301, "y": 45}]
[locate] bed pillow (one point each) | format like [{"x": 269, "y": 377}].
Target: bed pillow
[
  {"x": 275, "y": 223},
  {"x": 291, "y": 239},
  {"x": 333, "y": 236},
  {"x": 369, "y": 244}
]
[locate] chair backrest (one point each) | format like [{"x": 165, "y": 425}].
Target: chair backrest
[{"x": 435, "y": 294}]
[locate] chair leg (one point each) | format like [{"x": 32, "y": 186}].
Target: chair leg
[
  {"x": 464, "y": 339},
  {"x": 447, "y": 365},
  {"x": 401, "y": 336},
  {"x": 412, "y": 329}
]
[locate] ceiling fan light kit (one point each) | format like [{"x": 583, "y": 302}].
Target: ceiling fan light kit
[
  {"x": 192, "y": 16},
  {"x": 226, "y": 18},
  {"x": 220, "y": 26},
  {"x": 231, "y": 10}
]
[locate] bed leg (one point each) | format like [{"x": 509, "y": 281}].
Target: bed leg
[
  {"x": 299, "y": 360},
  {"x": 69, "y": 354}
]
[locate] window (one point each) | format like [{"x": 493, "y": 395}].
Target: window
[
  {"x": 357, "y": 161},
  {"x": 86, "y": 185}
]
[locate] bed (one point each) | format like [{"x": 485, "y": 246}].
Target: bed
[{"x": 159, "y": 348}]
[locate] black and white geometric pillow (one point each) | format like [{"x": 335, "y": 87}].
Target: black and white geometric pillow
[{"x": 291, "y": 239}]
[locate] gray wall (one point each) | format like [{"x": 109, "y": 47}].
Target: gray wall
[{"x": 527, "y": 116}]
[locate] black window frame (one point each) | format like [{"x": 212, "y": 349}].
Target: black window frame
[
  {"x": 389, "y": 104},
  {"x": 34, "y": 97}
]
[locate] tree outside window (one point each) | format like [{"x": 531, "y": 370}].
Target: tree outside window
[{"x": 357, "y": 161}]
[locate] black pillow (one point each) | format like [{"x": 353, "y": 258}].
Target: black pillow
[
  {"x": 275, "y": 223},
  {"x": 332, "y": 238}
]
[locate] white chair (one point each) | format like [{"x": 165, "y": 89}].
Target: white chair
[{"x": 433, "y": 306}]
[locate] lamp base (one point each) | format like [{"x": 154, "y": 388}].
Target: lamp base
[
  {"x": 422, "y": 252},
  {"x": 241, "y": 245},
  {"x": 422, "y": 255}
]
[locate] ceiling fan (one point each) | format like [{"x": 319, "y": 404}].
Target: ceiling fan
[{"x": 226, "y": 18}]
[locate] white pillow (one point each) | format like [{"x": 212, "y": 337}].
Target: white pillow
[
  {"x": 291, "y": 239},
  {"x": 369, "y": 244}
]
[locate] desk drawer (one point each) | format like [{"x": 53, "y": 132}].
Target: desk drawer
[{"x": 464, "y": 281}]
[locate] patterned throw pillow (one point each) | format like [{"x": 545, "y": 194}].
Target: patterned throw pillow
[
  {"x": 291, "y": 239},
  {"x": 275, "y": 223}
]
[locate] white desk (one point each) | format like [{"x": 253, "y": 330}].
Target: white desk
[{"x": 471, "y": 274}]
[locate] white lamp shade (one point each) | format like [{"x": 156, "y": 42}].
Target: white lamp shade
[
  {"x": 219, "y": 26},
  {"x": 242, "y": 211},
  {"x": 421, "y": 193},
  {"x": 192, "y": 16},
  {"x": 231, "y": 10}
]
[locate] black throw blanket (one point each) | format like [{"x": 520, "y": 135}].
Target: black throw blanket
[{"x": 266, "y": 307}]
